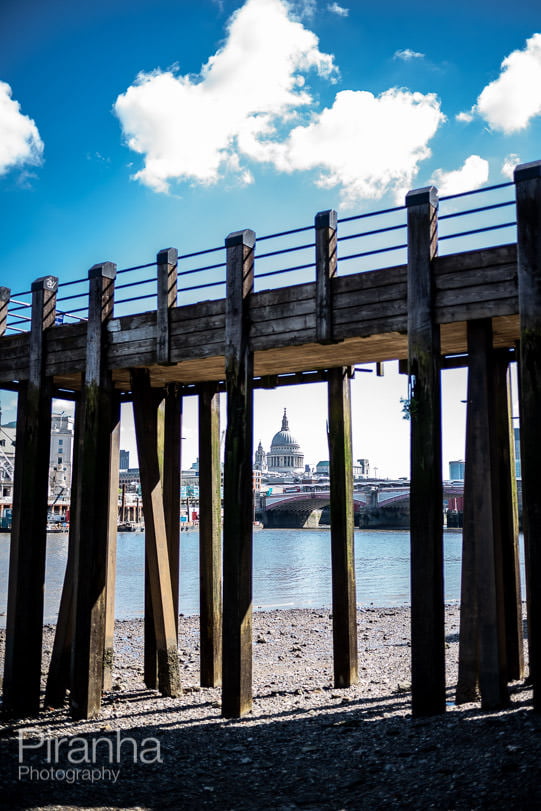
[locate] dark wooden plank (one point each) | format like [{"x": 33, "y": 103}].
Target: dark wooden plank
[
  {"x": 24, "y": 623},
  {"x": 167, "y": 261},
  {"x": 238, "y": 495},
  {"x": 325, "y": 227},
  {"x": 156, "y": 547},
  {"x": 426, "y": 493},
  {"x": 342, "y": 529},
  {"x": 93, "y": 504},
  {"x": 210, "y": 537},
  {"x": 528, "y": 194},
  {"x": 113, "y": 479}
]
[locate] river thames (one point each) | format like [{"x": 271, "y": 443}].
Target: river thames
[{"x": 292, "y": 569}]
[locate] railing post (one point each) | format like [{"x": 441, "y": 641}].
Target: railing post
[
  {"x": 344, "y": 597},
  {"x": 24, "y": 625},
  {"x": 326, "y": 265},
  {"x": 210, "y": 536},
  {"x": 99, "y": 421},
  {"x": 5, "y": 295},
  {"x": 167, "y": 297},
  {"x": 238, "y": 484},
  {"x": 426, "y": 495},
  {"x": 528, "y": 198}
]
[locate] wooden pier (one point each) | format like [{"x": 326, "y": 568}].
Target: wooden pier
[{"x": 480, "y": 309}]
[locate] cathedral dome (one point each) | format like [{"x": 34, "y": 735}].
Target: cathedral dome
[{"x": 285, "y": 452}]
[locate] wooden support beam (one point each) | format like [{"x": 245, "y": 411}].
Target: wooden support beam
[
  {"x": 114, "y": 465},
  {"x": 342, "y": 529},
  {"x": 156, "y": 547},
  {"x": 325, "y": 225},
  {"x": 171, "y": 485},
  {"x": 506, "y": 515},
  {"x": 93, "y": 502},
  {"x": 210, "y": 537},
  {"x": 482, "y": 651},
  {"x": 58, "y": 678},
  {"x": 427, "y": 600},
  {"x": 238, "y": 484},
  {"x": 167, "y": 261},
  {"x": 24, "y": 624},
  {"x": 528, "y": 197}
]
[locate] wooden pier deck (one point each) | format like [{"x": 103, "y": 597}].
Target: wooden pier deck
[{"x": 479, "y": 308}]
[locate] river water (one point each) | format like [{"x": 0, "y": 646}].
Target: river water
[{"x": 292, "y": 569}]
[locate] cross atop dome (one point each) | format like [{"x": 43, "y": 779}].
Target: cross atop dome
[{"x": 285, "y": 424}]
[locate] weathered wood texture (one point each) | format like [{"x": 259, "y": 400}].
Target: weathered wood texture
[
  {"x": 98, "y": 423},
  {"x": 426, "y": 489},
  {"x": 238, "y": 484},
  {"x": 156, "y": 547},
  {"x": 24, "y": 624},
  {"x": 113, "y": 478},
  {"x": 368, "y": 314},
  {"x": 325, "y": 225},
  {"x": 167, "y": 297},
  {"x": 528, "y": 192},
  {"x": 344, "y": 596},
  {"x": 210, "y": 537}
]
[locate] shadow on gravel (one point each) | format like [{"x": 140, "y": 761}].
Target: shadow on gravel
[{"x": 353, "y": 755}]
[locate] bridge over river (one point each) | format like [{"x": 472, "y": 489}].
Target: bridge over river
[{"x": 384, "y": 505}]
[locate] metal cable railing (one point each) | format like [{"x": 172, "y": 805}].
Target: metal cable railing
[{"x": 382, "y": 244}]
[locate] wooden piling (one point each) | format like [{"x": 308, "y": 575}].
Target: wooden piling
[
  {"x": 238, "y": 480},
  {"x": 426, "y": 493},
  {"x": 5, "y": 295},
  {"x": 344, "y": 596},
  {"x": 167, "y": 261},
  {"x": 528, "y": 198},
  {"x": 93, "y": 503},
  {"x": 506, "y": 515},
  {"x": 171, "y": 469},
  {"x": 113, "y": 478},
  {"x": 24, "y": 623},
  {"x": 210, "y": 537},
  {"x": 156, "y": 548}
]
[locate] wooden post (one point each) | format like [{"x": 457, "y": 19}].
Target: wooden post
[
  {"x": 24, "y": 624},
  {"x": 210, "y": 535},
  {"x": 506, "y": 516},
  {"x": 93, "y": 503},
  {"x": 483, "y": 531},
  {"x": 325, "y": 225},
  {"x": 156, "y": 548},
  {"x": 171, "y": 485},
  {"x": 528, "y": 196},
  {"x": 167, "y": 297},
  {"x": 238, "y": 484},
  {"x": 58, "y": 679},
  {"x": 108, "y": 651},
  {"x": 426, "y": 494},
  {"x": 5, "y": 295},
  {"x": 342, "y": 529}
]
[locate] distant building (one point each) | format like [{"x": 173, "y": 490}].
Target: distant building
[
  {"x": 364, "y": 466},
  {"x": 285, "y": 455},
  {"x": 124, "y": 460},
  {"x": 456, "y": 470}
]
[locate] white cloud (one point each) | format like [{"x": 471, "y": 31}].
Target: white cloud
[
  {"x": 465, "y": 117},
  {"x": 514, "y": 98},
  {"x": 355, "y": 144},
  {"x": 20, "y": 141},
  {"x": 334, "y": 8},
  {"x": 187, "y": 127},
  {"x": 251, "y": 103},
  {"x": 472, "y": 174},
  {"x": 407, "y": 55},
  {"x": 508, "y": 166}
]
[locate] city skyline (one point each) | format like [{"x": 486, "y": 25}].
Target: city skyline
[{"x": 126, "y": 127}]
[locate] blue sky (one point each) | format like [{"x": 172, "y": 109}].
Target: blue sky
[{"x": 127, "y": 127}]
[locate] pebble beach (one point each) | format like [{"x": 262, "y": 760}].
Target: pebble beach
[{"x": 304, "y": 745}]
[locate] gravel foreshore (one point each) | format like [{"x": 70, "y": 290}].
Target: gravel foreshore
[{"x": 305, "y": 745}]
